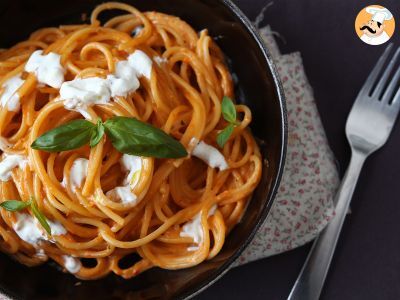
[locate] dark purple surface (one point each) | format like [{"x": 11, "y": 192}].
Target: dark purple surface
[{"x": 366, "y": 264}]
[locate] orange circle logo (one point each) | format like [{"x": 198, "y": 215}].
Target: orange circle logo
[{"x": 375, "y": 25}]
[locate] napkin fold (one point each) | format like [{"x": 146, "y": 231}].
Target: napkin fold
[{"x": 304, "y": 203}]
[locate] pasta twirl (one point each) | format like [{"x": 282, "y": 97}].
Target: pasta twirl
[{"x": 103, "y": 205}]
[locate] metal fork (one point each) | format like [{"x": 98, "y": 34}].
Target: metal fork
[{"x": 367, "y": 129}]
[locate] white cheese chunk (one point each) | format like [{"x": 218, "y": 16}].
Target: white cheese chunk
[
  {"x": 160, "y": 60},
  {"x": 4, "y": 144},
  {"x": 123, "y": 69},
  {"x": 47, "y": 68},
  {"x": 30, "y": 230},
  {"x": 142, "y": 64},
  {"x": 56, "y": 228},
  {"x": 81, "y": 93},
  {"x": 133, "y": 165},
  {"x": 210, "y": 155},
  {"x": 84, "y": 113},
  {"x": 121, "y": 86},
  {"x": 78, "y": 173},
  {"x": 10, "y": 98},
  {"x": 124, "y": 81},
  {"x": 27, "y": 230},
  {"x": 194, "y": 230},
  {"x": 72, "y": 264},
  {"x": 9, "y": 163},
  {"x": 135, "y": 32},
  {"x": 123, "y": 194}
]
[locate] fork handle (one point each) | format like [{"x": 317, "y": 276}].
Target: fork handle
[{"x": 309, "y": 284}]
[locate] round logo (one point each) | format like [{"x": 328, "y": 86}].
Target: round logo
[{"x": 375, "y": 25}]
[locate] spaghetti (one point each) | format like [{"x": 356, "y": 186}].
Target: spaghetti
[{"x": 182, "y": 209}]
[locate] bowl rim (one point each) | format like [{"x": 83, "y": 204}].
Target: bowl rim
[{"x": 226, "y": 266}]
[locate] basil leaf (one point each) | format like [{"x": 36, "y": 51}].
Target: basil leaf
[
  {"x": 131, "y": 136},
  {"x": 224, "y": 135},
  {"x": 14, "y": 205},
  {"x": 69, "y": 136},
  {"x": 40, "y": 216},
  {"x": 228, "y": 110},
  {"x": 97, "y": 134}
]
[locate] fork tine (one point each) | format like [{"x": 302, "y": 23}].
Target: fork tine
[
  {"x": 394, "y": 108},
  {"x": 396, "y": 99},
  {"x": 390, "y": 89},
  {"x": 382, "y": 82},
  {"x": 375, "y": 72}
]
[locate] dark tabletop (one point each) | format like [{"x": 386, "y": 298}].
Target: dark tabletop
[{"x": 366, "y": 264}]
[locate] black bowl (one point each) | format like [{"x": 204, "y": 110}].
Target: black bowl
[{"x": 258, "y": 87}]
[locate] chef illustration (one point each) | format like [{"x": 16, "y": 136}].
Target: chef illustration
[{"x": 374, "y": 30}]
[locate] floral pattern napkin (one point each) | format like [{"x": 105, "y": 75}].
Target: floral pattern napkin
[{"x": 304, "y": 203}]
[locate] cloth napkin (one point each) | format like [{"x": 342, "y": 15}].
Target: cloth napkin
[{"x": 304, "y": 203}]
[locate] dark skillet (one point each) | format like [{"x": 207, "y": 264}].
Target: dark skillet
[{"x": 258, "y": 87}]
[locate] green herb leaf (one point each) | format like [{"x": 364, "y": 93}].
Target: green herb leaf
[
  {"x": 97, "y": 134},
  {"x": 228, "y": 110},
  {"x": 40, "y": 216},
  {"x": 14, "y": 205},
  {"x": 224, "y": 135},
  {"x": 69, "y": 136},
  {"x": 131, "y": 136}
]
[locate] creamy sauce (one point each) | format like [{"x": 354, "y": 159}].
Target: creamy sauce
[
  {"x": 29, "y": 230},
  {"x": 78, "y": 172},
  {"x": 133, "y": 165},
  {"x": 72, "y": 264},
  {"x": 47, "y": 68},
  {"x": 210, "y": 155},
  {"x": 194, "y": 230},
  {"x": 9, "y": 163},
  {"x": 10, "y": 98}
]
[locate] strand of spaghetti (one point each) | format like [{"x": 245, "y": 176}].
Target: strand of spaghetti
[
  {"x": 103, "y": 49},
  {"x": 150, "y": 237},
  {"x": 218, "y": 229},
  {"x": 197, "y": 124},
  {"x": 147, "y": 26}
]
